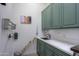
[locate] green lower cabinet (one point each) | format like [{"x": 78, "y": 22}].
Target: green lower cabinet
[
  {"x": 53, "y": 51},
  {"x": 40, "y": 48},
  {"x": 59, "y": 52},
  {"x": 49, "y": 52},
  {"x": 44, "y": 49}
]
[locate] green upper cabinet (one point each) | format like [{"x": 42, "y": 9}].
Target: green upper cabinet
[
  {"x": 77, "y": 13},
  {"x": 43, "y": 20},
  {"x": 60, "y": 15},
  {"x": 46, "y": 18},
  {"x": 68, "y": 14},
  {"x": 56, "y": 15},
  {"x": 48, "y": 13}
]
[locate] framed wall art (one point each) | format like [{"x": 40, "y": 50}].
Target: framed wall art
[{"x": 25, "y": 19}]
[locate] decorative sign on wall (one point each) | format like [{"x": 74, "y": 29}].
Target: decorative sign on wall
[{"x": 25, "y": 19}]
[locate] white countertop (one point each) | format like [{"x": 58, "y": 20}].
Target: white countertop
[{"x": 60, "y": 45}]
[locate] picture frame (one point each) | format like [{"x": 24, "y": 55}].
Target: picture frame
[{"x": 25, "y": 19}]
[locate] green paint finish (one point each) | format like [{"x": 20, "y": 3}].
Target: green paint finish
[
  {"x": 60, "y": 15},
  {"x": 44, "y": 49},
  {"x": 46, "y": 18},
  {"x": 48, "y": 13},
  {"x": 44, "y": 22},
  {"x": 58, "y": 52},
  {"x": 55, "y": 51},
  {"x": 56, "y": 15},
  {"x": 49, "y": 52},
  {"x": 69, "y": 14},
  {"x": 40, "y": 48},
  {"x": 77, "y": 13}
]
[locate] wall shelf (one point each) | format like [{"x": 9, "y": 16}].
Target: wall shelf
[{"x": 7, "y": 24}]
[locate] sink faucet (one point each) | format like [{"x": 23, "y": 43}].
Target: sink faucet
[{"x": 47, "y": 35}]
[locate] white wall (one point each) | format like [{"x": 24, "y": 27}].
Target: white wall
[
  {"x": 5, "y": 12},
  {"x": 27, "y": 31}
]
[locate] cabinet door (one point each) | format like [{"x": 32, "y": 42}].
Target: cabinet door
[
  {"x": 56, "y": 15},
  {"x": 77, "y": 13},
  {"x": 42, "y": 53},
  {"x": 48, "y": 18},
  {"x": 44, "y": 49},
  {"x": 48, "y": 51},
  {"x": 58, "y": 52},
  {"x": 40, "y": 48},
  {"x": 53, "y": 51},
  {"x": 69, "y": 14},
  {"x": 43, "y": 20}
]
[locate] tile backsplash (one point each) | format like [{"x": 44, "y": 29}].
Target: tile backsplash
[{"x": 70, "y": 36}]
